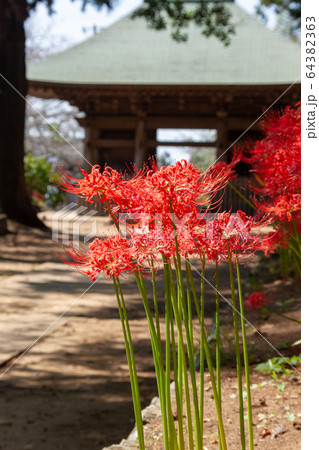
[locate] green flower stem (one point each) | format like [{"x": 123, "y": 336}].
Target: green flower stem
[
  {"x": 115, "y": 221},
  {"x": 158, "y": 329},
  {"x": 171, "y": 424},
  {"x": 209, "y": 362},
  {"x": 283, "y": 262},
  {"x": 286, "y": 317},
  {"x": 182, "y": 360},
  {"x": 295, "y": 240},
  {"x": 179, "y": 362},
  {"x": 157, "y": 355},
  {"x": 218, "y": 341},
  {"x": 297, "y": 261},
  {"x": 297, "y": 235},
  {"x": 238, "y": 362},
  {"x": 189, "y": 342},
  {"x": 189, "y": 309},
  {"x": 246, "y": 361},
  {"x": 202, "y": 350},
  {"x": 218, "y": 344},
  {"x": 131, "y": 362},
  {"x": 242, "y": 196},
  {"x": 180, "y": 352},
  {"x": 129, "y": 348},
  {"x": 294, "y": 249},
  {"x": 178, "y": 383},
  {"x": 179, "y": 399}
]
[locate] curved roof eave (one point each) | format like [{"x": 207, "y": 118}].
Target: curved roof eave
[{"x": 47, "y": 88}]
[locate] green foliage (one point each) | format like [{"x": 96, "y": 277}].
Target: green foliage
[
  {"x": 212, "y": 17},
  {"x": 289, "y": 14},
  {"x": 202, "y": 158},
  {"x": 32, "y": 4},
  {"x": 165, "y": 159},
  {"x": 278, "y": 365},
  {"x": 54, "y": 129},
  {"x": 281, "y": 387},
  {"x": 38, "y": 175}
]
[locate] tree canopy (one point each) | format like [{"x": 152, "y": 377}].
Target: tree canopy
[
  {"x": 288, "y": 14},
  {"x": 212, "y": 17}
]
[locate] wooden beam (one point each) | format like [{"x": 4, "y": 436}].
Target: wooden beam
[
  {"x": 222, "y": 141},
  {"x": 140, "y": 143},
  {"x": 129, "y": 143},
  {"x": 199, "y": 122},
  {"x": 115, "y": 143},
  {"x": 129, "y": 122},
  {"x": 180, "y": 144}
]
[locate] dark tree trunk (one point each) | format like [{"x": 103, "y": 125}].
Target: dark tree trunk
[{"x": 14, "y": 199}]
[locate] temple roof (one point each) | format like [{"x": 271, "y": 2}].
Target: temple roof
[{"x": 130, "y": 53}]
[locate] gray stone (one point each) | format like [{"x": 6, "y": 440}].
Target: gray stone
[
  {"x": 152, "y": 411},
  {"x": 149, "y": 414}
]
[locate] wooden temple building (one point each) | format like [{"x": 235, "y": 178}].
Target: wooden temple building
[{"x": 130, "y": 80}]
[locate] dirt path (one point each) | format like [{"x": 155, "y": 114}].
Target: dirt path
[{"x": 71, "y": 390}]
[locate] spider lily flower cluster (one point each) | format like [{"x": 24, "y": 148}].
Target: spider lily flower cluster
[
  {"x": 169, "y": 221},
  {"x": 276, "y": 166},
  {"x": 255, "y": 301}
]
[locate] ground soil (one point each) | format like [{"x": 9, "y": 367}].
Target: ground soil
[{"x": 71, "y": 391}]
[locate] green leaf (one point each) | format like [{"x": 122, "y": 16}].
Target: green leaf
[{"x": 281, "y": 387}]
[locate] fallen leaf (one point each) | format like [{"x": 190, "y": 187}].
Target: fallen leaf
[{"x": 265, "y": 432}]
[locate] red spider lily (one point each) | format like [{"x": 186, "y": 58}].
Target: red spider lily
[
  {"x": 37, "y": 196},
  {"x": 152, "y": 244},
  {"x": 241, "y": 233},
  {"x": 181, "y": 184},
  {"x": 256, "y": 300},
  {"x": 276, "y": 164},
  {"x": 111, "y": 257},
  {"x": 227, "y": 167},
  {"x": 151, "y": 190},
  {"x": 92, "y": 185},
  {"x": 108, "y": 186},
  {"x": 282, "y": 206},
  {"x": 161, "y": 241},
  {"x": 174, "y": 192},
  {"x": 272, "y": 241}
]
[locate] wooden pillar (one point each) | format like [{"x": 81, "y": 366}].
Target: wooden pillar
[
  {"x": 150, "y": 148},
  {"x": 90, "y": 145},
  {"x": 140, "y": 142},
  {"x": 222, "y": 141}
]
